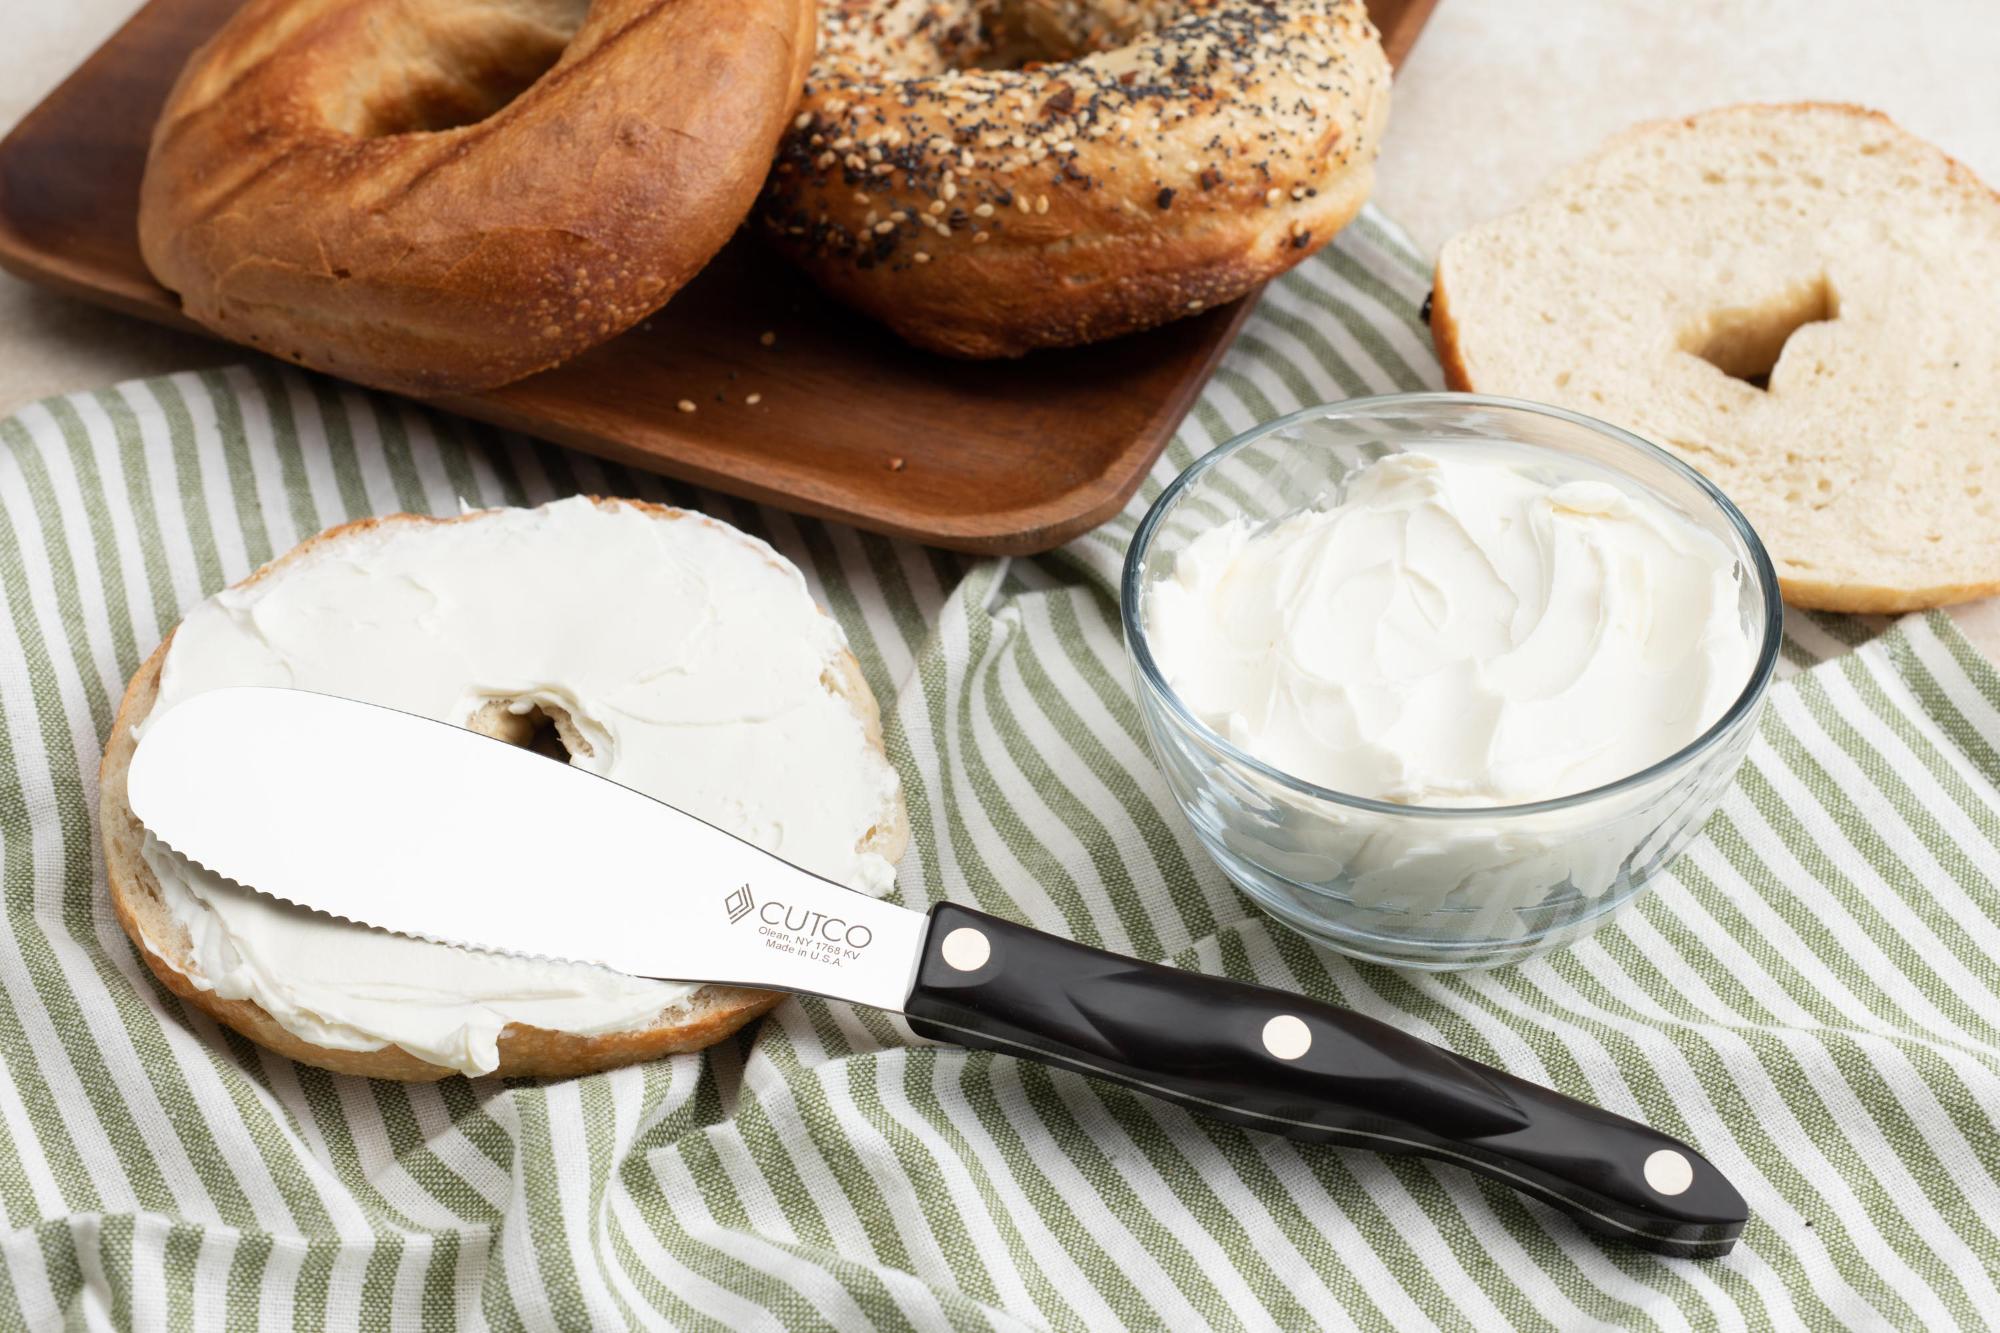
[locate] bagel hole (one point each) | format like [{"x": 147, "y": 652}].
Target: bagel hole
[
  {"x": 458, "y": 69},
  {"x": 545, "y": 729},
  {"x": 1746, "y": 342},
  {"x": 1022, "y": 34}
]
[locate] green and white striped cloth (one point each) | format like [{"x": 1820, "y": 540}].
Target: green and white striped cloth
[{"x": 1811, "y": 997}]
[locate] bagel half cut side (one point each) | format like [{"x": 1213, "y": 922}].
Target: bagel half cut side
[
  {"x": 442, "y": 196},
  {"x": 1788, "y": 298},
  {"x": 710, "y": 1015}
]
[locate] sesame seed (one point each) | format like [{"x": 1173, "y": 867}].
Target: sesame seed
[
  {"x": 937, "y": 206},
  {"x": 1273, "y": 195},
  {"x": 921, "y": 257},
  {"x": 1041, "y": 203},
  {"x": 979, "y": 238},
  {"x": 884, "y": 228},
  {"x": 686, "y": 404},
  {"x": 805, "y": 119},
  {"x": 752, "y": 400},
  {"x": 949, "y": 191},
  {"x": 1021, "y": 202},
  {"x": 984, "y": 210},
  {"x": 1194, "y": 305},
  {"x": 767, "y": 338}
]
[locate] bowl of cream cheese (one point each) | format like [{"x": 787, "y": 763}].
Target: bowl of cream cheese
[{"x": 1442, "y": 680}]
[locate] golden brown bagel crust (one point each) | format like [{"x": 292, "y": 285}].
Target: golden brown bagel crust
[
  {"x": 1140, "y": 177},
  {"x": 714, "y": 1013},
  {"x": 297, "y": 198}
]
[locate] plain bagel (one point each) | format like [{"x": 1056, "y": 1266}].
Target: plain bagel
[
  {"x": 1139, "y": 161},
  {"x": 163, "y": 940},
  {"x": 1796, "y": 300},
  {"x": 439, "y": 196}
]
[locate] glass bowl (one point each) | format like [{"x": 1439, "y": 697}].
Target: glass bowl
[{"x": 1433, "y": 887}]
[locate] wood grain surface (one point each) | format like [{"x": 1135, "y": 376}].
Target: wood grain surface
[{"x": 1003, "y": 457}]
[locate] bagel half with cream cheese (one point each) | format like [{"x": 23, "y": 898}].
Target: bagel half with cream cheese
[
  {"x": 758, "y": 720},
  {"x": 992, "y": 176}
]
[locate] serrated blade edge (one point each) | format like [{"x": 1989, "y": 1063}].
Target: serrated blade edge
[{"x": 401, "y": 823}]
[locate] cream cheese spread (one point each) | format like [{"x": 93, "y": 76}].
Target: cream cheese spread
[
  {"x": 1457, "y": 631},
  {"x": 689, "y": 662}
]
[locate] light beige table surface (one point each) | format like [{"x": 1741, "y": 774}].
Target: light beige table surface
[{"x": 1497, "y": 94}]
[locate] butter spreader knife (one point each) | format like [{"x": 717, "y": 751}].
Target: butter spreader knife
[{"x": 409, "y": 825}]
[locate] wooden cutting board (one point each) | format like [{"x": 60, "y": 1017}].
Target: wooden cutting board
[{"x": 1004, "y": 457}]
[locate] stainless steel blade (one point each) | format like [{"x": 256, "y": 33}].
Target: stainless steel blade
[{"x": 415, "y": 826}]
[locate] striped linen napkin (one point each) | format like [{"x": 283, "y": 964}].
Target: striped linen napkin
[{"x": 1811, "y": 996}]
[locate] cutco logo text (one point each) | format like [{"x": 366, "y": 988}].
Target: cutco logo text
[{"x": 812, "y": 934}]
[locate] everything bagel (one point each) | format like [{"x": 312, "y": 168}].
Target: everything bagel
[
  {"x": 1146, "y": 160},
  {"x": 441, "y": 196}
]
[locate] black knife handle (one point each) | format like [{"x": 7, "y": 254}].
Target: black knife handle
[{"x": 1270, "y": 1060}]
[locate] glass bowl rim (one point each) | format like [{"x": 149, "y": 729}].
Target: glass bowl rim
[{"x": 1141, "y": 653}]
